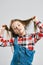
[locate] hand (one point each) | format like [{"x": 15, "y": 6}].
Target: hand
[{"x": 35, "y": 19}]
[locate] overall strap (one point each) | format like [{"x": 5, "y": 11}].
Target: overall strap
[{"x": 16, "y": 40}]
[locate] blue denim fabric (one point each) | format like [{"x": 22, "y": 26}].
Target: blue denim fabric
[{"x": 22, "y": 55}]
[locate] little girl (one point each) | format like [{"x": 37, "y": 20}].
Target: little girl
[{"x": 24, "y": 43}]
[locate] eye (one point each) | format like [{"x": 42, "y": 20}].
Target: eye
[
  {"x": 14, "y": 28},
  {"x": 18, "y": 24}
]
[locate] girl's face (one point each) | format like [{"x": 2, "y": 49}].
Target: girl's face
[{"x": 18, "y": 28}]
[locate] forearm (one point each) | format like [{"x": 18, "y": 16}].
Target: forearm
[
  {"x": 39, "y": 34},
  {"x": 4, "y": 43},
  {"x": 38, "y": 24}
]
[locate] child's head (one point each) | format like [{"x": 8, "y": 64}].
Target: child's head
[{"x": 18, "y": 26}]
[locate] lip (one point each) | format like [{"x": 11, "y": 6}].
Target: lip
[
  {"x": 20, "y": 29},
  {"x": 21, "y": 33}
]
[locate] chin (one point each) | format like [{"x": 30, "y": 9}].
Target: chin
[{"x": 21, "y": 33}]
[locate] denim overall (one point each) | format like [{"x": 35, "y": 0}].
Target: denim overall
[{"x": 21, "y": 55}]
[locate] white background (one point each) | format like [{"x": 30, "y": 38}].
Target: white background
[{"x": 21, "y": 9}]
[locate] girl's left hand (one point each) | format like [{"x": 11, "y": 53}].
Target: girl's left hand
[{"x": 35, "y": 19}]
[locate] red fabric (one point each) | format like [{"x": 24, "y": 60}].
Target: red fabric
[{"x": 28, "y": 41}]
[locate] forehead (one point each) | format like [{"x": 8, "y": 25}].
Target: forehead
[{"x": 16, "y": 22}]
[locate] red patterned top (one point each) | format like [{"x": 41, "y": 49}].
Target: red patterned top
[{"x": 27, "y": 41}]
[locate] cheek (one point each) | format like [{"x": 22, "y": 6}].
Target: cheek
[{"x": 23, "y": 26}]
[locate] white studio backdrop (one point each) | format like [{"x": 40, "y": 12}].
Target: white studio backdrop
[{"x": 21, "y": 9}]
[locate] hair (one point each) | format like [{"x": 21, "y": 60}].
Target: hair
[
  {"x": 25, "y": 22},
  {"x": 6, "y": 27}
]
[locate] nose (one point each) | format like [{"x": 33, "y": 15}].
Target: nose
[{"x": 18, "y": 28}]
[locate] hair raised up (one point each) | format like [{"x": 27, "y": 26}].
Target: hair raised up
[{"x": 25, "y": 22}]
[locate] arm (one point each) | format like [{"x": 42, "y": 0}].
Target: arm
[
  {"x": 38, "y": 24},
  {"x": 4, "y": 43},
  {"x": 38, "y": 35},
  {"x": 5, "y": 39}
]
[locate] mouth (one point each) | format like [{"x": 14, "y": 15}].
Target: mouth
[
  {"x": 20, "y": 29},
  {"x": 21, "y": 32}
]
